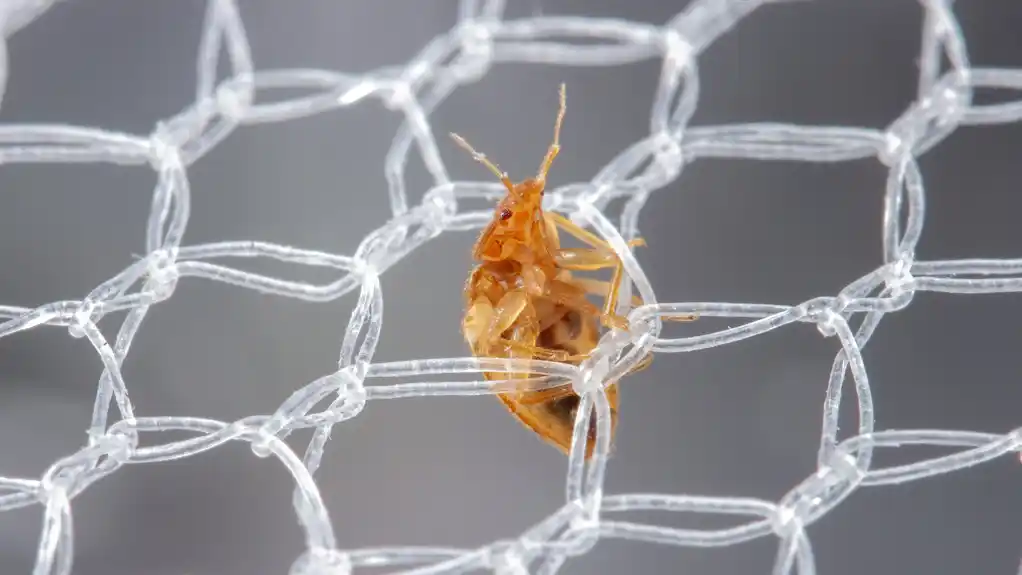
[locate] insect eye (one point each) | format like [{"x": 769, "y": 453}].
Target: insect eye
[{"x": 505, "y": 214}]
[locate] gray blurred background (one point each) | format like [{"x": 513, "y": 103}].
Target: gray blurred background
[{"x": 742, "y": 420}]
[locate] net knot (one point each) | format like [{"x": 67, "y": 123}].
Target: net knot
[
  {"x": 233, "y": 97},
  {"x": 826, "y": 322},
  {"x": 897, "y": 275},
  {"x": 261, "y": 444},
  {"x": 893, "y": 150},
  {"x": 1016, "y": 441},
  {"x": 668, "y": 153},
  {"x": 677, "y": 51},
  {"x": 374, "y": 252},
  {"x": 593, "y": 370},
  {"x": 841, "y": 466},
  {"x": 836, "y": 477},
  {"x": 322, "y": 561},
  {"x": 583, "y": 533},
  {"x": 475, "y": 37},
  {"x": 81, "y": 318},
  {"x": 351, "y": 400},
  {"x": 65, "y": 474},
  {"x": 120, "y": 442},
  {"x": 400, "y": 96},
  {"x": 441, "y": 202},
  {"x": 506, "y": 559},
  {"x": 825, "y": 312},
  {"x": 349, "y": 385},
  {"x": 587, "y": 520},
  {"x": 592, "y": 373},
  {"x": 476, "y": 52},
  {"x": 366, "y": 269},
  {"x": 948, "y": 105},
  {"x": 163, "y": 274},
  {"x": 785, "y": 521},
  {"x": 163, "y": 148},
  {"x": 54, "y": 483}
]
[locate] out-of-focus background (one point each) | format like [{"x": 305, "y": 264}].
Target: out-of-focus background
[{"x": 741, "y": 420}]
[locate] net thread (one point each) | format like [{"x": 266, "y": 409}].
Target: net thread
[{"x": 481, "y": 38}]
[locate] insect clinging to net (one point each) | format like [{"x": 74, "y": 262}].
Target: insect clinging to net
[{"x": 523, "y": 300}]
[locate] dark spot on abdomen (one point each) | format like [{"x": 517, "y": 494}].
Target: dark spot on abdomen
[{"x": 567, "y": 408}]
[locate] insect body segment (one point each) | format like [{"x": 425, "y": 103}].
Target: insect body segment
[{"x": 522, "y": 300}]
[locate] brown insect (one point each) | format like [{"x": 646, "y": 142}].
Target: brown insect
[{"x": 524, "y": 302}]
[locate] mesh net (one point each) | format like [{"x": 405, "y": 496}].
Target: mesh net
[{"x": 462, "y": 55}]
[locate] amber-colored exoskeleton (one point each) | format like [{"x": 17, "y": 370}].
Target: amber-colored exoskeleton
[{"x": 523, "y": 300}]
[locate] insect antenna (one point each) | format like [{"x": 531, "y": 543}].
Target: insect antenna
[
  {"x": 482, "y": 159},
  {"x": 555, "y": 146}
]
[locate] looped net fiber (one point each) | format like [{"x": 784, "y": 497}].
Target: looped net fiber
[{"x": 482, "y": 37}]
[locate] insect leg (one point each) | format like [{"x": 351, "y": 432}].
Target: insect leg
[
  {"x": 505, "y": 313},
  {"x": 485, "y": 323},
  {"x": 476, "y": 322},
  {"x": 600, "y": 256},
  {"x": 602, "y": 288},
  {"x": 643, "y": 364},
  {"x": 591, "y": 259},
  {"x": 539, "y": 352},
  {"x": 583, "y": 234},
  {"x": 569, "y": 294},
  {"x": 587, "y": 259},
  {"x": 514, "y": 313},
  {"x": 533, "y": 397},
  {"x": 539, "y": 396},
  {"x": 545, "y": 395},
  {"x": 524, "y": 333}
]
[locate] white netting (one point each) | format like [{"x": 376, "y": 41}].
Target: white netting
[{"x": 465, "y": 53}]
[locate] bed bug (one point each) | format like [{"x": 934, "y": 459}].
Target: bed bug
[{"x": 524, "y": 301}]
